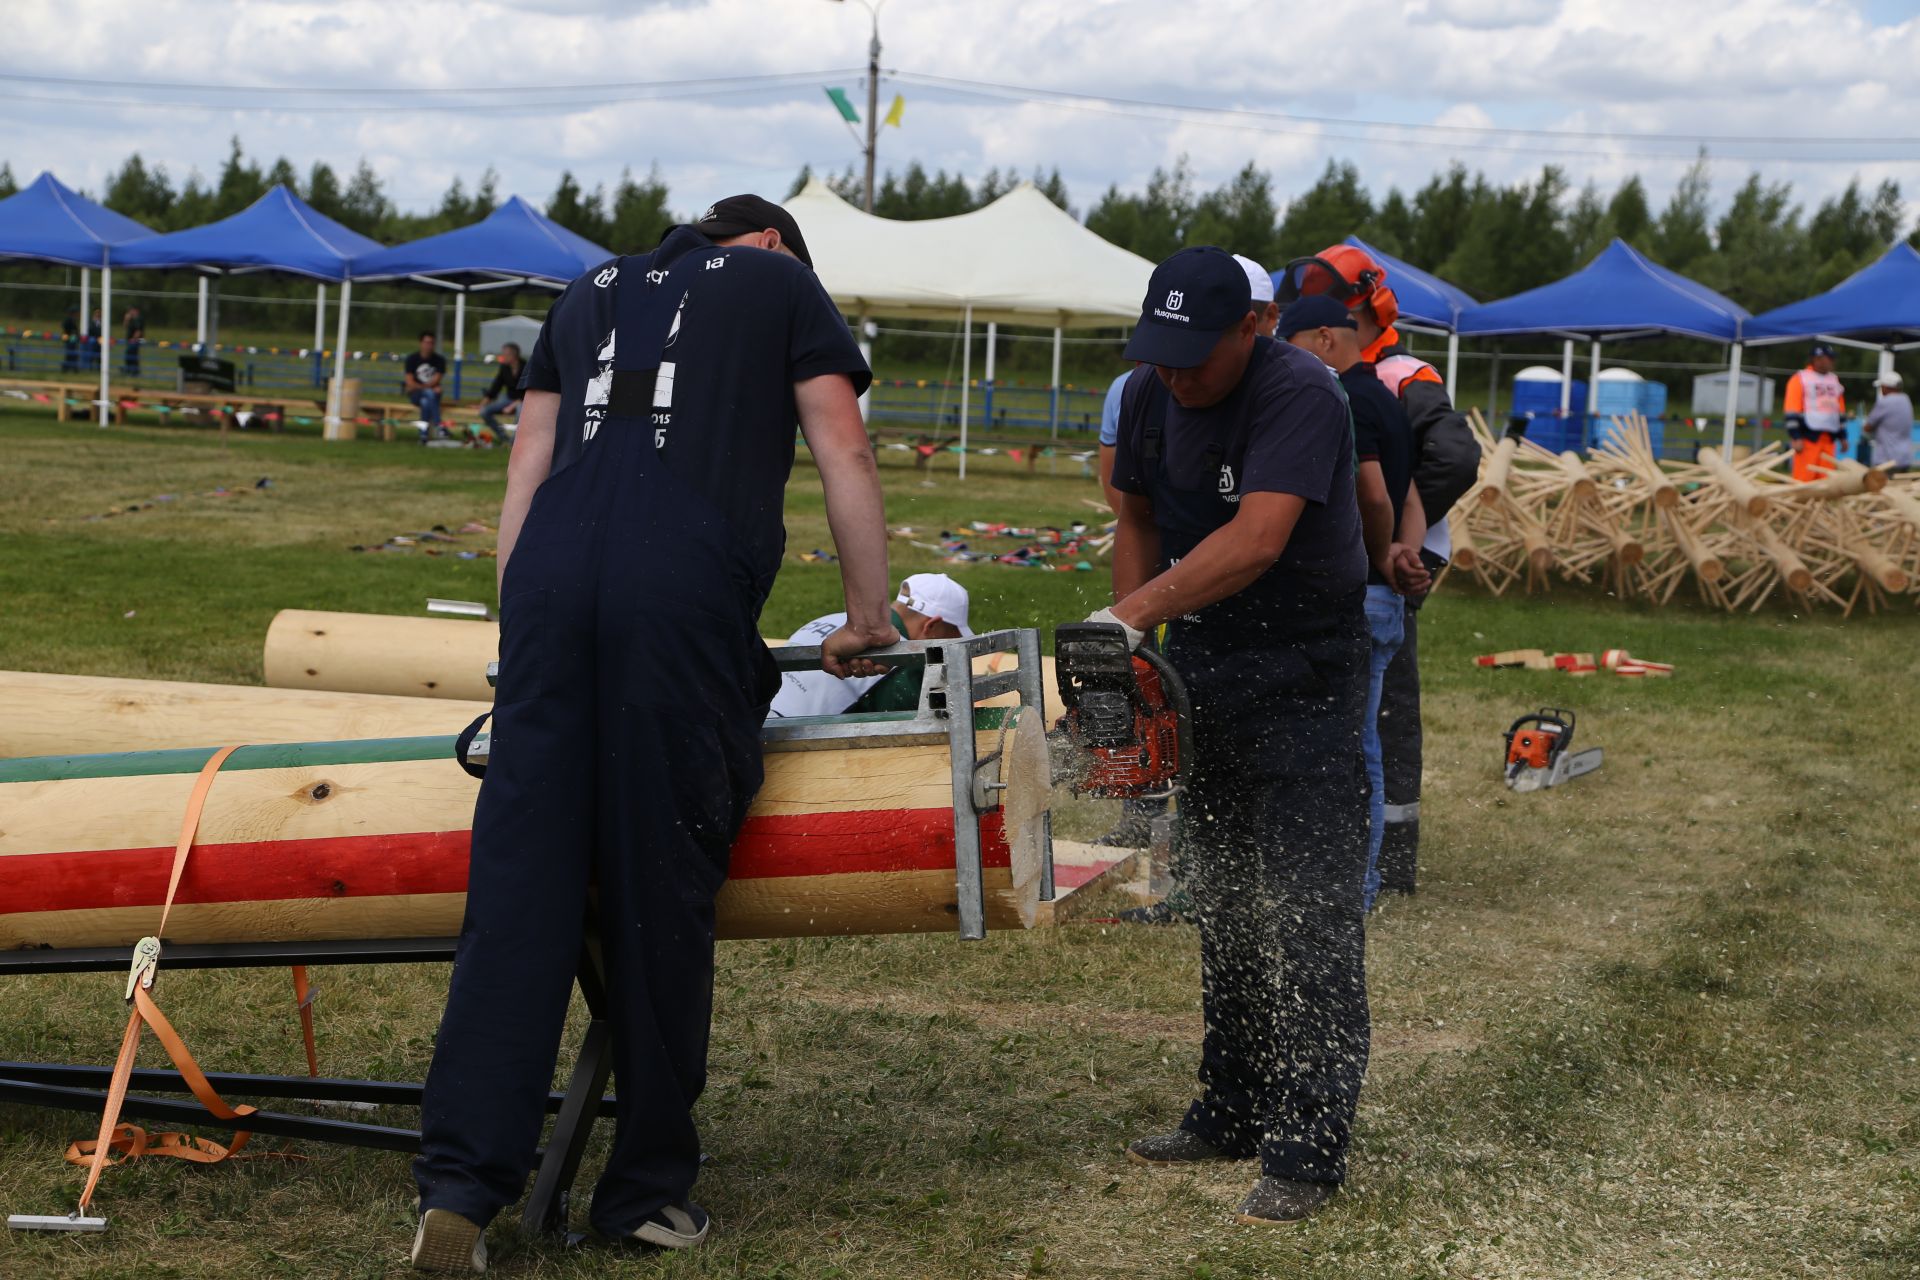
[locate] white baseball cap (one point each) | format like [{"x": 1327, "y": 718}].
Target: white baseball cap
[
  {"x": 1890, "y": 379},
  {"x": 1257, "y": 278},
  {"x": 937, "y": 596}
]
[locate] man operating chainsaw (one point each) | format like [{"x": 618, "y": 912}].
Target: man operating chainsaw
[
  {"x": 1238, "y": 526},
  {"x": 639, "y": 538}
]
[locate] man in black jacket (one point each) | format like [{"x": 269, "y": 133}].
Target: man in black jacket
[{"x": 1446, "y": 463}]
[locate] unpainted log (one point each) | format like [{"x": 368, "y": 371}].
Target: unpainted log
[
  {"x": 381, "y": 653},
  {"x": 43, "y": 714},
  {"x": 1739, "y": 489},
  {"x": 1581, "y": 483},
  {"x": 1493, "y": 481},
  {"x": 1874, "y": 564},
  {"x": 1786, "y": 561}
]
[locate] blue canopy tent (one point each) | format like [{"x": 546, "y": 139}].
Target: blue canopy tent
[
  {"x": 279, "y": 232},
  {"x": 514, "y": 246},
  {"x": 1620, "y": 294},
  {"x": 1876, "y": 306},
  {"x": 48, "y": 221}
]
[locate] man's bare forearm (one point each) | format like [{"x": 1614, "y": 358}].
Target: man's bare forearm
[
  {"x": 856, "y": 511},
  {"x": 527, "y": 469}
]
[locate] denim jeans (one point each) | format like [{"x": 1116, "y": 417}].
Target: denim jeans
[
  {"x": 1386, "y": 621},
  {"x": 429, "y": 404},
  {"x": 490, "y": 411}
]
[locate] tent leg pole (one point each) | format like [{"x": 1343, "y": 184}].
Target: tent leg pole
[
  {"x": 1593, "y": 393},
  {"x": 1566, "y": 377},
  {"x": 86, "y": 310},
  {"x": 986, "y": 394},
  {"x": 1053, "y": 405},
  {"x": 106, "y": 336},
  {"x": 866, "y": 353},
  {"x": 336, "y": 392},
  {"x": 1453, "y": 366},
  {"x": 966, "y": 383},
  {"x": 200, "y": 325},
  {"x": 1733, "y": 401},
  {"x": 320, "y": 316},
  {"x": 459, "y": 338}
]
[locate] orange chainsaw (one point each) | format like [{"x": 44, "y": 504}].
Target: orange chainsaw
[
  {"x": 1538, "y": 752},
  {"x": 1127, "y": 731}
]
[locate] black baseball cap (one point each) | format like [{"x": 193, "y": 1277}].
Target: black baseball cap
[
  {"x": 1193, "y": 297},
  {"x": 745, "y": 214},
  {"x": 1314, "y": 311},
  {"x": 1821, "y": 349}
]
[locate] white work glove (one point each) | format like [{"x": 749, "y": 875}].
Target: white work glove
[{"x": 1134, "y": 635}]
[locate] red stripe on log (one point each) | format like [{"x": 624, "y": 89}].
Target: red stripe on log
[{"x": 436, "y": 862}]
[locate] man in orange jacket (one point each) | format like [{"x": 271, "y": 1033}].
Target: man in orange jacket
[
  {"x": 1446, "y": 462},
  {"x": 1815, "y": 405}
]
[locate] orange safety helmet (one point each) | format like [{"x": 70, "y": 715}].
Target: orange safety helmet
[{"x": 1347, "y": 273}]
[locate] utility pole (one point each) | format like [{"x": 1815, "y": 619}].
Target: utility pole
[
  {"x": 873, "y": 8},
  {"x": 873, "y": 98}
]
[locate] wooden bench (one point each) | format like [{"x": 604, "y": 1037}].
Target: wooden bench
[
  {"x": 69, "y": 399},
  {"x": 385, "y": 413}
]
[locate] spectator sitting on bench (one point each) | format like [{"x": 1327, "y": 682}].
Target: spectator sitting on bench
[
  {"x": 503, "y": 393},
  {"x": 425, "y": 369}
]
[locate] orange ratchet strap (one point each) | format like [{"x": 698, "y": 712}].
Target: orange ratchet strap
[{"x": 129, "y": 1140}]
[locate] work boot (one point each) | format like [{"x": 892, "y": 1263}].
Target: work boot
[
  {"x": 1178, "y": 1147},
  {"x": 1276, "y": 1202},
  {"x": 674, "y": 1226},
  {"x": 448, "y": 1242}
]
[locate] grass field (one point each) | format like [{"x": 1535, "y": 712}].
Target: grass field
[{"x": 1660, "y": 1023}]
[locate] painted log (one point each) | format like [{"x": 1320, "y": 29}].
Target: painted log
[
  {"x": 43, "y": 714},
  {"x": 381, "y": 653},
  {"x": 370, "y": 840}
]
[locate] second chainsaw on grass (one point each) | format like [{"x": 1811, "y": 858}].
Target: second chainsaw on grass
[{"x": 1540, "y": 754}]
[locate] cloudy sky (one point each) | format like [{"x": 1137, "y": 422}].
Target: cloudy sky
[{"x": 1811, "y": 91}]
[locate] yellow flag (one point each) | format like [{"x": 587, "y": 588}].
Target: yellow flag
[{"x": 893, "y": 112}]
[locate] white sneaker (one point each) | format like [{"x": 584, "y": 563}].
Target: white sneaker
[
  {"x": 448, "y": 1242},
  {"x": 676, "y": 1226}
]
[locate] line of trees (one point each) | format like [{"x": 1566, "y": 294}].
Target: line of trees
[{"x": 1763, "y": 249}]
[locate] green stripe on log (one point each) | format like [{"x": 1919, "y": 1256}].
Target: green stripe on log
[{"x": 292, "y": 755}]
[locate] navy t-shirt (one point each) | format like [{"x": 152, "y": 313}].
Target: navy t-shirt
[
  {"x": 747, "y": 330},
  {"x": 1284, "y": 429},
  {"x": 1382, "y": 434}
]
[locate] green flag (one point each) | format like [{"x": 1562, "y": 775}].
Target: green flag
[{"x": 839, "y": 99}]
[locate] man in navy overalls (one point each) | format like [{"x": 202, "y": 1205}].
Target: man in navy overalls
[
  {"x": 640, "y": 535},
  {"x": 1238, "y": 527}
]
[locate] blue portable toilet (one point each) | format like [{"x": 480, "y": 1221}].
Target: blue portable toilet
[
  {"x": 1622, "y": 392},
  {"x": 1536, "y": 391}
]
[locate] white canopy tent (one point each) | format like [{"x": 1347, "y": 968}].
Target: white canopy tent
[{"x": 1020, "y": 260}]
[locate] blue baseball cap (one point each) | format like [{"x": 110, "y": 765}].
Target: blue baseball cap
[
  {"x": 1314, "y": 311},
  {"x": 1192, "y": 299}
]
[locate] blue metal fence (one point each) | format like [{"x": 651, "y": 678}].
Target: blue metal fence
[{"x": 992, "y": 407}]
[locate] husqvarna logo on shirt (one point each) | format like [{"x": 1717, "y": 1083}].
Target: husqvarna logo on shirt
[
  {"x": 606, "y": 277},
  {"x": 1226, "y": 485}
]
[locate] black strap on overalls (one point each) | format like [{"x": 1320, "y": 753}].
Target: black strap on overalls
[
  {"x": 1216, "y": 448},
  {"x": 643, "y": 322}
]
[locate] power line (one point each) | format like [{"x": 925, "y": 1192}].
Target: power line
[
  {"x": 87, "y": 82},
  {"x": 1039, "y": 92}
]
